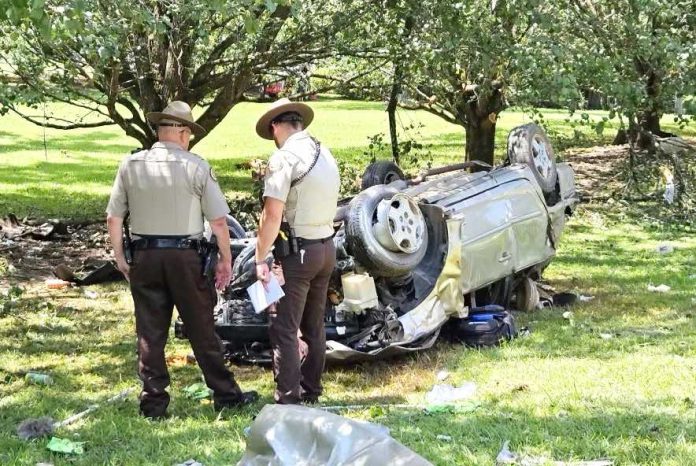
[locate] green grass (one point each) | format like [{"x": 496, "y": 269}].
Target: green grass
[
  {"x": 72, "y": 177},
  {"x": 616, "y": 380},
  {"x": 564, "y": 391}
]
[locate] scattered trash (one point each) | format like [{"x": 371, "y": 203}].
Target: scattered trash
[
  {"x": 444, "y": 438},
  {"x": 56, "y": 283},
  {"x": 90, "y": 294},
  {"x": 568, "y": 315},
  {"x": 442, "y": 375},
  {"x": 505, "y": 456},
  {"x": 198, "y": 391},
  {"x": 291, "y": 434},
  {"x": 606, "y": 336},
  {"x": 61, "y": 445},
  {"x": 585, "y": 299},
  {"x": 659, "y": 289},
  {"x": 34, "y": 428},
  {"x": 38, "y": 378},
  {"x": 668, "y": 195},
  {"x": 43, "y": 464},
  {"x": 190, "y": 462},
  {"x": 446, "y": 393},
  {"x": 664, "y": 248}
]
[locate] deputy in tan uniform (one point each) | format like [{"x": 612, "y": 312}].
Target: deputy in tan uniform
[
  {"x": 167, "y": 191},
  {"x": 301, "y": 185}
]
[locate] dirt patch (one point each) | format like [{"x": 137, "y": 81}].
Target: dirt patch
[
  {"x": 598, "y": 170},
  {"x": 30, "y": 258}
]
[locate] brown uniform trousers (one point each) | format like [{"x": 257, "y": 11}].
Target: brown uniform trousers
[
  {"x": 303, "y": 308},
  {"x": 159, "y": 280}
]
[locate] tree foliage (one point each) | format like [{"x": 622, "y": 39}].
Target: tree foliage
[{"x": 119, "y": 60}]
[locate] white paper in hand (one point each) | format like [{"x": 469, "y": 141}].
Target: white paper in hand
[{"x": 261, "y": 298}]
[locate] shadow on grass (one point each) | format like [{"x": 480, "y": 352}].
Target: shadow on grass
[{"x": 93, "y": 142}]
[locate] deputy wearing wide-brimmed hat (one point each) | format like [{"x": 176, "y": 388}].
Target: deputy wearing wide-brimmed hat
[
  {"x": 166, "y": 192},
  {"x": 301, "y": 186}
]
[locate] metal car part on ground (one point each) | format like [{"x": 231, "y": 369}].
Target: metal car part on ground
[{"x": 484, "y": 237}]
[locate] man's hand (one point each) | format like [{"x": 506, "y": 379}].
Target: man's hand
[
  {"x": 263, "y": 273},
  {"x": 123, "y": 266},
  {"x": 223, "y": 274}
]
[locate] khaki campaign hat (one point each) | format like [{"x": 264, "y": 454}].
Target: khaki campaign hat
[
  {"x": 177, "y": 112},
  {"x": 279, "y": 107}
]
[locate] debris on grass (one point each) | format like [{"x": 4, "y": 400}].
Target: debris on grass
[
  {"x": 61, "y": 445},
  {"x": 505, "y": 457},
  {"x": 568, "y": 315},
  {"x": 197, "y": 391},
  {"x": 56, "y": 284},
  {"x": 35, "y": 428},
  {"x": 585, "y": 299},
  {"x": 38, "y": 378},
  {"x": 659, "y": 288},
  {"x": 91, "y": 294},
  {"x": 444, "y": 438},
  {"x": 190, "y": 462},
  {"x": 606, "y": 336},
  {"x": 442, "y": 375},
  {"x": 664, "y": 248},
  {"x": 446, "y": 393}
]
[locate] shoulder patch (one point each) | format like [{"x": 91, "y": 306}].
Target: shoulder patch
[
  {"x": 212, "y": 175},
  {"x": 274, "y": 165}
]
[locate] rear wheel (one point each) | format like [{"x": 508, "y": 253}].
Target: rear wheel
[
  {"x": 528, "y": 144},
  {"x": 381, "y": 172}
]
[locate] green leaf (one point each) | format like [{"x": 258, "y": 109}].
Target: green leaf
[{"x": 197, "y": 391}]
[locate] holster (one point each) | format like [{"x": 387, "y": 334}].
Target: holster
[
  {"x": 209, "y": 257},
  {"x": 285, "y": 243},
  {"x": 127, "y": 249}
]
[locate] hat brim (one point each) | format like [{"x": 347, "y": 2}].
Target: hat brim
[
  {"x": 156, "y": 117},
  {"x": 263, "y": 125}
]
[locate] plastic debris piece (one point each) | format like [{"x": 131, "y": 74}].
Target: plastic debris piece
[
  {"x": 585, "y": 299},
  {"x": 442, "y": 375},
  {"x": 505, "y": 456},
  {"x": 61, "y": 445},
  {"x": 659, "y": 289},
  {"x": 568, "y": 315},
  {"x": 38, "y": 378},
  {"x": 606, "y": 336},
  {"x": 197, "y": 391},
  {"x": 90, "y": 294},
  {"x": 664, "y": 248},
  {"x": 444, "y": 438},
  {"x": 190, "y": 462},
  {"x": 446, "y": 393}
]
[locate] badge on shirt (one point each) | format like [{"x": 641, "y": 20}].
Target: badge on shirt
[
  {"x": 274, "y": 165},
  {"x": 212, "y": 175}
]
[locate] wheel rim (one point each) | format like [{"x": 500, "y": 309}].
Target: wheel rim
[
  {"x": 542, "y": 159},
  {"x": 400, "y": 224}
]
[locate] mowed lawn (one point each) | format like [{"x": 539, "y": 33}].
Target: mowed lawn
[{"x": 614, "y": 379}]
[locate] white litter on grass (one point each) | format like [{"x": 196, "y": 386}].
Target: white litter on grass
[
  {"x": 664, "y": 248},
  {"x": 585, "y": 299},
  {"x": 442, "y": 375},
  {"x": 446, "y": 393},
  {"x": 659, "y": 288},
  {"x": 91, "y": 294},
  {"x": 505, "y": 456},
  {"x": 606, "y": 336},
  {"x": 444, "y": 438},
  {"x": 568, "y": 315}
]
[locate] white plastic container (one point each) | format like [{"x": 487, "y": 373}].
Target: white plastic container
[{"x": 359, "y": 292}]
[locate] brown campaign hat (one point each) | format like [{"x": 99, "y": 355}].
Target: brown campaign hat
[
  {"x": 177, "y": 112},
  {"x": 279, "y": 107}
]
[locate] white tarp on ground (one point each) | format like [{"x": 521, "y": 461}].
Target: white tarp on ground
[{"x": 290, "y": 435}]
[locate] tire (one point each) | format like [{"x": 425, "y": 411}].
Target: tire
[
  {"x": 363, "y": 244},
  {"x": 528, "y": 144},
  {"x": 236, "y": 229},
  {"x": 527, "y": 295},
  {"x": 381, "y": 172}
]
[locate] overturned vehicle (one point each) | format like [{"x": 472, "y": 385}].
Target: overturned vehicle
[{"x": 413, "y": 254}]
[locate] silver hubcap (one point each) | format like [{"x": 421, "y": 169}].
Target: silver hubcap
[
  {"x": 542, "y": 160},
  {"x": 400, "y": 224}
]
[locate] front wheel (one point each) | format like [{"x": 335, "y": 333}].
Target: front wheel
[{"x": 528, "y": 144}]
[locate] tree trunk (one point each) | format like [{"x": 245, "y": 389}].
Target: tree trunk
[
  {"x": 480, "y": 140},
  {"x": 391, "y": 112}
]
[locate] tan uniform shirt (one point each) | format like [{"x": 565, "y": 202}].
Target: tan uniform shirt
[
  {"x": 167, "y": 191},
  {"x": 310, "y": 205}
]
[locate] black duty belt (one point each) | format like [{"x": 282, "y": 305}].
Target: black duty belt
[
  {"x": 307, "y": 242},
  {"x": 166, "y": 243}
]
